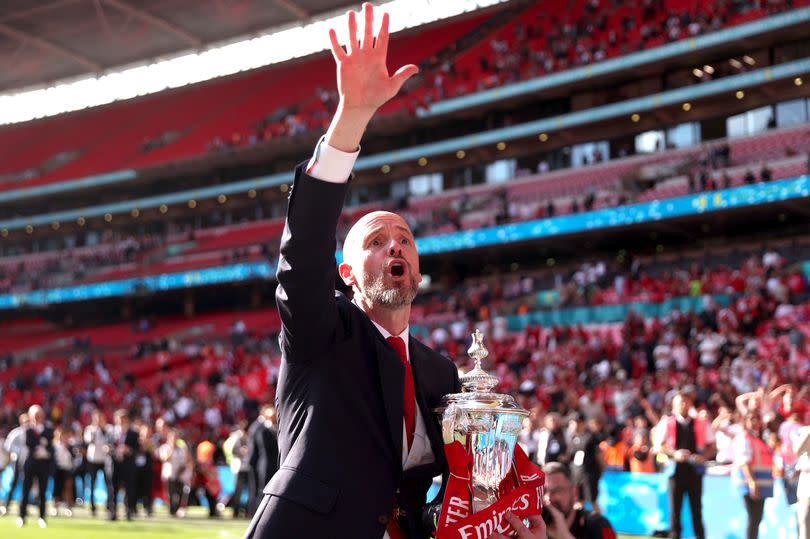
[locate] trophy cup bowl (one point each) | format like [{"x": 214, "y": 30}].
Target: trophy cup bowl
[{"x": 487, "y": 425}]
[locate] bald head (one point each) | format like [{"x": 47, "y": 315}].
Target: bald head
[
  {"x": 357, "y": 233},
  {"x": 380, "y": 261}
]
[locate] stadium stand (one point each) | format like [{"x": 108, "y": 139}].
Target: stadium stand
[{"x": 572, "y": 326}]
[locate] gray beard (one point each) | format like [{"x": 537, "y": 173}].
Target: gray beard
[{"x": 390, "y": 298}]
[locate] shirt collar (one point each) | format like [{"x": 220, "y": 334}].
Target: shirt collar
[{"x": 385, "y": 333}]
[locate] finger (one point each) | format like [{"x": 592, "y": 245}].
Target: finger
[
  {"x": 403, "y": 74},
  {"x": 337, "y": 50},
  {"x": 353, "y": 46},
  {"x": 517, "y": 524},
  {"x": 382, "y": 37},
  {"x": 536, "y": 523},
  {"x": 368, "y": 31}
]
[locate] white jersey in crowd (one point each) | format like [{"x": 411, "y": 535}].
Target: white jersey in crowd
[
  {"x": 62, "y": 456},
  {"x": 15, "y": 445},
  {"x": 98, "y": 444}
]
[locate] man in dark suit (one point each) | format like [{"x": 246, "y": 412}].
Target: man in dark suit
[
  {"x": 262, "y": 456},
  {"x": 39, "y": 462},
  {"x": 358, "y": 439},
  {"x": 126, "y": 447}
]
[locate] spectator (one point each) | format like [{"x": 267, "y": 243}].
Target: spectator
[
  {"x": 38, "y": 463},
  {"x": 685, "y": 441},
  {"x": 753, "y": 471},
  {"x": 17, "y": 450},
  {"x": 566, "y": 521},
  {"x": 586, "y": 460},
  {"x": 802, "y": 450}
]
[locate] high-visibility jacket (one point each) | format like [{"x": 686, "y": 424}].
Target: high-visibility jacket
[
  {"x": 761, "y": 466},
  {"x": 646, "y": 465}
]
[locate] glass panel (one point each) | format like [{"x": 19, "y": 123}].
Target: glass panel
[
  {"x": 680, "y": 136},
  {"x": 791, "y": 113},
  {"x": 500, "y": 171},
  {"x": 650, "y": 141},
  {"x": 589, "y": 153},
  {"x": 425, "y": 184}
]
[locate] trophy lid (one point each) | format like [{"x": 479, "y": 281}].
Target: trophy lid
[{"x": 478, "y": 385}]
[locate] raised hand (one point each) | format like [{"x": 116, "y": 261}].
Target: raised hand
[{"x": 362, "y": 74}]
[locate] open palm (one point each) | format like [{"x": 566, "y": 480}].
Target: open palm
[{"x": 362, "y": 73}]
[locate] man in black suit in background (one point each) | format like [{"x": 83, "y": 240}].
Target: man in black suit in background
[
  {"x": 262, "y": 455},
  {"x": 126, "y": 446},
  {"x": 39, "y": 463},
  {"x": 358, "y": 440}
]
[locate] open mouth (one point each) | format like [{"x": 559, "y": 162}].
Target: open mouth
[{"x": 397, "y": 268}]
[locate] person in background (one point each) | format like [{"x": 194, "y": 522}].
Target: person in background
[
  {"x": 641, "y": 456},
  {"x": 63, "y": 491},
  {"x": 143, "y": 469},
  {"x": 753, "y": 471},
  {"x": 785, "y": 455},
  {"x": 586, "y": 460},
  {"x": 126, "y": 448},
  {"x": 17, "y": 451},
  {"x": 263, "y": 455},
  {"x": 236, "y": 454},
  {"x": 551, "y": 444},
  {"x": 175, "y": 458},
  {"x": 566, "y": 522},
  {"x": 802, "y": 449},
  {"x": 98, "y": 453},
  {"x": 206, "y": 478},
  {"x": 78, "y": 452},
  {"x": 38, "y": 464},
  {"x": 685, "y": 441}
]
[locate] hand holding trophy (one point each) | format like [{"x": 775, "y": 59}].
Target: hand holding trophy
[{"x": 491, "y": 479}]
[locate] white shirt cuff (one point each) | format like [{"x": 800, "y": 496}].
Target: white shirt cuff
[{"x": 330, "y": 164}]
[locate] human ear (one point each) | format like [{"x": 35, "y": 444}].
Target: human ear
[{"x": 345, "y": 271}]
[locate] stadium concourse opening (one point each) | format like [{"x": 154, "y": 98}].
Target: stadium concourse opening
[{"x": 616, "y": 194}]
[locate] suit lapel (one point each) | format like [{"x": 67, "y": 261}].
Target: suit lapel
[
  {"x": 392, "y": 380},
  {"x": 420, "y": 367}
]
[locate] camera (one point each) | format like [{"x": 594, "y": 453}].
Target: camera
[{"x": 546, "y": 514}]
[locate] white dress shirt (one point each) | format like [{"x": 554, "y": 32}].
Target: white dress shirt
[{"x": 335, "y": 166}]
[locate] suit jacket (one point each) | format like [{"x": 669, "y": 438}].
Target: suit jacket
[
  {"x": 39, "y": 444},
  {"x": 340, "y": 395}
]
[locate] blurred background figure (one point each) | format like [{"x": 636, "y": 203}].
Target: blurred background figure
[
  {"x": 17, "y": 450},
  {"x": 38, "y": 463},
  {"x": 98, "y": 443}
]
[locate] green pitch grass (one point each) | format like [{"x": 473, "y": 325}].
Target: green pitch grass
[
  {"x": 195, "y": 525},
  {"x": 82, "y": 526}
]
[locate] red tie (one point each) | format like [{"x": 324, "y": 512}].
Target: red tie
[
  {"x": 409, "y": 415},
  {"x": 409, "y": 404}
]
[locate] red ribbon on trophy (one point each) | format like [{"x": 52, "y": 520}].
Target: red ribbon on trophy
[{"x": 521, "y": 492}]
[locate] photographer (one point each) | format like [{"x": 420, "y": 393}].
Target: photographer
[{"x": 563, "y": 520}]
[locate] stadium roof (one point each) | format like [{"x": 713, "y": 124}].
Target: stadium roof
[{"x": 47, "y": 40}]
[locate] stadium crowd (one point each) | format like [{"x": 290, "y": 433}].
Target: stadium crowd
[
  {"x": 534, "y": 44},
  {"x": 614, "y": 381}
]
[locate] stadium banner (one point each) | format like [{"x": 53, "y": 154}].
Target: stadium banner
[
  {"x": 601, "y": 314},
  {"x": 633, "y": 214}
]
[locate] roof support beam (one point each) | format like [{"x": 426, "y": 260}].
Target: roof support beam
[
  {"x": 297, "y": 11},
  {"x": 51, "y": 47},
  {"x": 37, "y": 10},
  {"x": 156, "y": 21}
]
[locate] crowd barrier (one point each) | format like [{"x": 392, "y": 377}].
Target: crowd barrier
[{"x": 635, "y": 504}]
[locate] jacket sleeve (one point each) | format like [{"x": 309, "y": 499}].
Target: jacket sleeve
[{"x": 305, "y": 296}]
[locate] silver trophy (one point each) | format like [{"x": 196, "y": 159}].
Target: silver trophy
[{"x": 487, "y": 425}]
